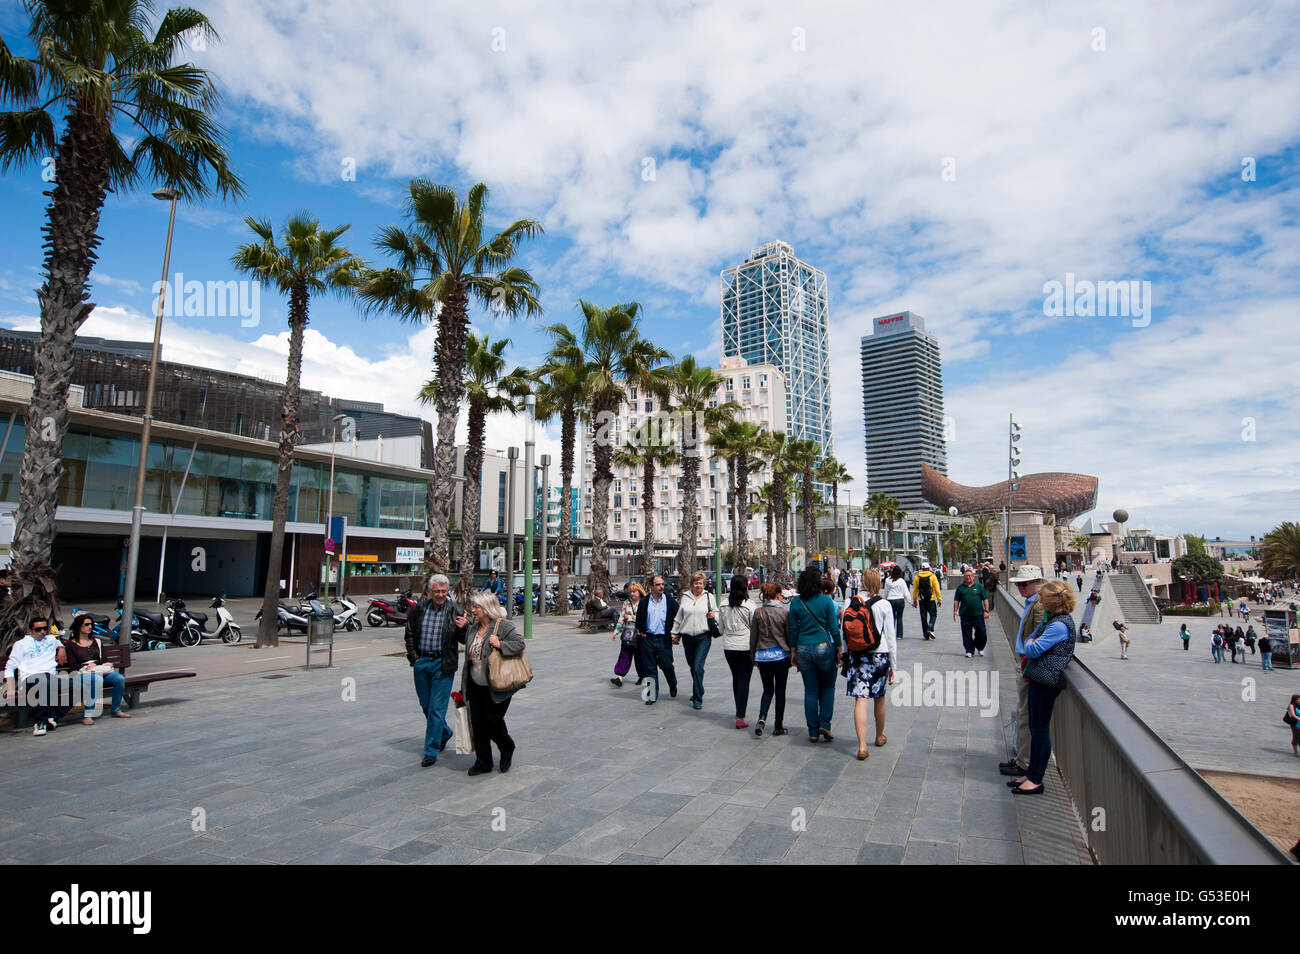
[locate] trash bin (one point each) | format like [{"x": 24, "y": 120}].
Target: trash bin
[{"x": 320, "y": 632}]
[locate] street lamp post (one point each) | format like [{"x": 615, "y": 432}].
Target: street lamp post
[
  {"x": 329, "y": 519},
  {"x": 137, "y": 509},
  {"x": 717, "y": 548},
  {"x": 530, "y": 501},
  {"x": 512, "y": 455},
  {"x": 546, "y": 500}
]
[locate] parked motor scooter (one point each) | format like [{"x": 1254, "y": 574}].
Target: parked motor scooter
[
  {"x": 184, "y": 628},
  {"x": 381, "y": 612},
  {"x": 289, "y": 619},
  {"x": 227, "y": 629},
  {"x": 148, "y": 629}
]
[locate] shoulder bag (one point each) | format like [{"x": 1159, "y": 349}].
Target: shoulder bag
[
  {"x": 508, "y": 673},
  {"x": 1049, "y": 668},
  {"x": 710, "y": 606}
]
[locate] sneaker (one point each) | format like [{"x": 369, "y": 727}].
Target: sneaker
[
  {"x": 38, "y": 729},
  {"x": 52, "y": 724},
  {"x": 428, "y": 760},
  {"x": 968, "y": 655},
  {"x": 780, "y": 730},
  {"x": 673, "y": 692},
  {"x": 697, "y": 705},
  {"x": 615, "y": 681},
  {"x": 758, "y": 729},
  {"x": 980, "y": 652},
  {"x": 742, "y": 724}
]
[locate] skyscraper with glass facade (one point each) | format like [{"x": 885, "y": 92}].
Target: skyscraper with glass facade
[
  {"x": 902, "y": 407},
  {"x": 774, "y": 311}
]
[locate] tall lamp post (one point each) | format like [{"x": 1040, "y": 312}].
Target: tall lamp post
[
  {"x": 717, "y": 549},
  {"x": 137, "y": 508},
  {"x": 1013, "y": 460},
  {"x": 546, "y": 500},
  {"x": 530, "y": 502},
  {"x": 512, "y": 455},
  {"x": 329, "y": 519}
]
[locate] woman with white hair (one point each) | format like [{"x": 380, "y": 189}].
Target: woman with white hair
[{"x": 489, "y": 630}]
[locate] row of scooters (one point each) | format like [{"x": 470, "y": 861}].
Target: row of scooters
[{"x": 178, "y": 625}]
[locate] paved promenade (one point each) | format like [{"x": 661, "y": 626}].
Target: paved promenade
[
  {"x": 1221, "y": 716},
  {"x": 285, "y": 768}
]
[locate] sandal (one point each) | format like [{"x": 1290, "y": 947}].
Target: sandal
[
  {"x": 863, "y": 754},
  {"x": 87, "y": 721},
  {"x": 881, "y": 740}
]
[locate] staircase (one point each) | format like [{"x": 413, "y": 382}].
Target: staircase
[{"x": 1134, "y": 601}]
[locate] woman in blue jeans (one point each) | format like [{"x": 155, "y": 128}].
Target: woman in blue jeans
[
  {"x": 1049, "y": 650},
  {"x": 815, "y": 647},
  {"x": 84, "y": 653}
]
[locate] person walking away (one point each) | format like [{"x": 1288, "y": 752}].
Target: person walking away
[
  {"x": 870, "y": 658},
  {"x": 926, "y": 595},
  {"x": 815, "y": 649},
  {"x": 1216, "y": 645},
  {"x": 1265, "y": 652},
  {"x": 654, "y": 619},
  {"x": 1230, "y": 638},
  {"x": 769, "y": 647},
  {"x": 1050, "y": 649},
  {"x": 735, "y": 619},
  {"x": 1079, "y": 580},
  {"x": 1028, "y": 581},
  {"x": 896, "y": 593},
  {"x": 85, "y": 653},
  {"x": 691, "y": 628},
  {"x": 971, "y": 601},
  {"x": 432, "y": 648},
  {"x": 489, "y": 630},
  {"x": 1248, "y": 638},
  {"x": 35, "y": 660},
  {"x": 1185, "y": 636},
  {"x": 629, "y": 642},
  {"x": 1122, "y": 630}
]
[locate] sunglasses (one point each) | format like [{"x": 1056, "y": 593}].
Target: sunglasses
[{"x": 40, "y": 629}]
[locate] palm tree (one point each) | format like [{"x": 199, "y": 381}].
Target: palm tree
[
  {"x": 802, "y": 454},
  {"x": 305, "y": 261},
  {"x": 96, "y": 63},
  {"x": 693, "y": 388},
  {"x": 884, "y": 509},
  {"x": 760, "y": 501},
  {"x": 741, "y": 443},
  {"x": 444, "y": 260},
  {"x": 561, "y": 381},
  {"x": 782, "y": 489},
  {"x": 1081, "y": 543},
  {"x": 981, "y": 526},
  {"x": 955, "y": 542},
  {"x": 649, "y": 455},
  {"x": 616, "y": 357},
  {"x": 489, "y": 390},
  {"x": 832, "y": 472},
  {"x": 931, "y": 548},
  {"x": 1279, "y": 551}
]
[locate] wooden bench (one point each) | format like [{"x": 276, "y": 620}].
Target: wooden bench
[
  {"x": 594, "y": 623},
  {"x": 120, "y": 657}
]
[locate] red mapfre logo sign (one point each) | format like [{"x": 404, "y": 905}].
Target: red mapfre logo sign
[{"x": 888, "y": 321}]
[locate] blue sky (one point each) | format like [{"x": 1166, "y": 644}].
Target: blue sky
[{"x": 946, "y": 159}]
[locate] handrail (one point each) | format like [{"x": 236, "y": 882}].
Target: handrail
[{"x": 1140, "y": 803}]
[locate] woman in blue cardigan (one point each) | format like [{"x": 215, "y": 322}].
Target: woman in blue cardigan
[{"x": 1049, "y": 650}]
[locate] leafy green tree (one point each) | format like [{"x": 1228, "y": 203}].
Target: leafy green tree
[
  {"x": 305, "y": 261},
  {"x": 444, "y": 258},
  {"x": 885, "y": 510},
  {"x": 693, "y": 388},
  {"x": 1200, "y": 569},
  {"x": 1279, "y": 551},
  {"x": 1195, "y": 544},
  {"x": 561, "y": 383},
  {"x": 648, "y": 453},
  {"x": 97, "y": 66}
]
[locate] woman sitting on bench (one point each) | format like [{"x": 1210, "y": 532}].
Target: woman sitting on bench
[{"x": 84, "y": 653}]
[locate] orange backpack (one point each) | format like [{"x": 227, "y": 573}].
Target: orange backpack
[{"x": 860, "y": 633}]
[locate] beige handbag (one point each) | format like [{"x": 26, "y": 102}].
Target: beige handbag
[{"x": 508, "y": 673}]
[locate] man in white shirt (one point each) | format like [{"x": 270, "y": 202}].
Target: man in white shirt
[{"x": 36, "y": 659}]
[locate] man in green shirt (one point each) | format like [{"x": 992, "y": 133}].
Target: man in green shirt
[{"x": 971, "y": 600}]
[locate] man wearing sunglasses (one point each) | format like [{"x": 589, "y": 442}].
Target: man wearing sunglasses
[{"x": 36, "y": 659}]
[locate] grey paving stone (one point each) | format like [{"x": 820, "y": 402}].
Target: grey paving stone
[
  {"x": 762, "y": 843},
  {"x": 505, "y": 856},
  {"x": 988, "y": 851},
  {"x": 929, "y": 853},
  {"x": 877, "y": 853},
  {"x": 806, "y": 853},
  {"x": 630, "y": 859}
]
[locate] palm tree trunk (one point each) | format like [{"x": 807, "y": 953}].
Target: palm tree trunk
[
  {"x": 71, "y": 237},
  {"x": 781, "y": 509},
  {"x": 771, "y": 568},
  {"x": 648, "y": 511},
  {"x": 690, "y": 513},
  {"x": 835, "y": 513},
  {"x": 453, "y": 326},
  {"x": 473, "y": 500},
  {"x": 741, "y": 497},
  {"x": 731, "y": 512},
  {"x": 809, "y": 518},
  {"x": 289, "y": 436},
  {"x": 564, "y": 547},
  {"x": 603, "y": 454}
]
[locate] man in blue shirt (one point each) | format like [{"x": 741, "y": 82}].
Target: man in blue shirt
[
  {"x": 496, "y": 586},
  {"x": 654, "y": 620},
  {"x": 1028, "y": 581},
  {"x": 434, "y": 631}
]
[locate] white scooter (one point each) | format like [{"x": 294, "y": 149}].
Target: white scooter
[
  {"x": 227, "y": 629},
  {"x": 345, "y": 614}
]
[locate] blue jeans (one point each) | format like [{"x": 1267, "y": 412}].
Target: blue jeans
[
  {"x": 1266, "y": 660},
  {"x": 817, "y": 666},
  {"x": 90, "y": 686},
  {"x": 1041, "y": 701},
  {"x": 434, "y": 691},
  {"x": 929, "y": 610},
  {"x": 659, "y": 655},
  {"x": 973, "y": 634},
  {"x": 1216, "y": 653},
  {"x": 696, "y": 649}
]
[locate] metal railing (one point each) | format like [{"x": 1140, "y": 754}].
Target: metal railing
[{"x": 1138, "y": 801}]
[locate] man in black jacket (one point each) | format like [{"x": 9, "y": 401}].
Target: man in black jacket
[
  {"x": 654, "y": 623},
  {"x": 434, "y": 631}
]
